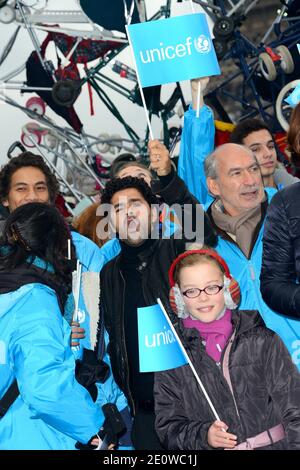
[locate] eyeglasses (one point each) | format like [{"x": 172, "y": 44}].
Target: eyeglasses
[{"x": 195, "y": 292}]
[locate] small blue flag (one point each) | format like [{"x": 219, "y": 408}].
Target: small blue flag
[
  {"x": 294, "y": 98},
  {"x": 173, "y": 49},
  {"x": 158, "y": 347}
]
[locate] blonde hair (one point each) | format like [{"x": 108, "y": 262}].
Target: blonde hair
[
  {"x": 86, "y": 224},
  {"x": 196, "y": 258}
]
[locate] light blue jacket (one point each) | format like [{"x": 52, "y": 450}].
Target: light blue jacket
[
  {"x": 88, "y": 253},
  {"x": 93, "y": 259},
  {"x": 197, "y": 142},
  {"x": 53, "y": 410}
]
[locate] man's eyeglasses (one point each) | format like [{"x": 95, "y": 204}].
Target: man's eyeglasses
[{"x": 195, "y": 292}]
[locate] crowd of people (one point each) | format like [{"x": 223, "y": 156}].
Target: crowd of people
[{"x": 216, "y": 239}]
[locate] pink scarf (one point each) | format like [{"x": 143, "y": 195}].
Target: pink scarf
[{"x": 214, "y": 333}]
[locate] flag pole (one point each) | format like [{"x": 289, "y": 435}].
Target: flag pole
[
  {"x": 198, "y": 99},
  {"x": 77, "y": 291},
  {"x": 192, "y": 6},
  {"x": 140, "y": 87},
  {"x": 189, "y": 361},
  {"x": 69, "y": 249}
]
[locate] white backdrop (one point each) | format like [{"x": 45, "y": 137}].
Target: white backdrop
[{"x": 12, "y": 119}]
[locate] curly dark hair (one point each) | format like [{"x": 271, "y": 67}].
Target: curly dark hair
[
  {"x": 38, "y": 229},
  {"x": 246, "y": 127},
  {"x": 118, "y": 184},
  {"x": 26, "y": 159}
]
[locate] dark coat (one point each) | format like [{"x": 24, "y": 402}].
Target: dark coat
[
  {"x": 154, "y": 266},
  {"x": 281, "y": 253},
  {"x": 265, "y": 382}
]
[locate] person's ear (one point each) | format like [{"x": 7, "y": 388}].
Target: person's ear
[
  {"x": 213, "y": 186},
  {"x": 112, "y": 223},
  {"x": 5, "y": 203}
]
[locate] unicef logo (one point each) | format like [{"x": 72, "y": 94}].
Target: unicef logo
[{"x": 202, "y": 44}]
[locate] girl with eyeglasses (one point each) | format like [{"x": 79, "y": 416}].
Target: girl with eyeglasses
[{"x": 246, "y": 369}]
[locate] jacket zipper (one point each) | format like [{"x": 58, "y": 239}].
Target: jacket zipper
[
  {"x": 252, "y": 272},
  {"x": 260, "y": 306},
  {"x": 220, "y": 371},
  {"x": 124, "y": 347},
  {"x": 231, "y": 391}
]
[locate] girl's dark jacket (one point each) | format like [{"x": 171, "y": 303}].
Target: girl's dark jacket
[{"x": 265, "y": 382}]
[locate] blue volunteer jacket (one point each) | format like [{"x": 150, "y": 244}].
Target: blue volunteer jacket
[
  {"x": 197, "y": 142},
  {"x": 93, "y": 259}
]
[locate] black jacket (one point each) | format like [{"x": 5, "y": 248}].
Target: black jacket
[
  {"x": 266, "y": 387},
  {"x": 154, "y": 265},
  {"x": 280, "y": 271}
]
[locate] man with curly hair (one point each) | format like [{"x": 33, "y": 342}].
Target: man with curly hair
[{"x": 27, "y": 178}]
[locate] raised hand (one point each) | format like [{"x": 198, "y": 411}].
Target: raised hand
[{"x": 159, "y": 158}]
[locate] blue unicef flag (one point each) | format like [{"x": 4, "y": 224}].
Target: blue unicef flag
[
  {"x": 173, "y": 49},
  {"x": 158, "y": 347}
]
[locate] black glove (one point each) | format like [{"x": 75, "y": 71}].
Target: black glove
[
  {"x": 90, "y": 370},
  {"x": 87, "y": 446}
]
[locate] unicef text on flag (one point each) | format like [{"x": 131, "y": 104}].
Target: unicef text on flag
[{"x": 173, "y": 49}]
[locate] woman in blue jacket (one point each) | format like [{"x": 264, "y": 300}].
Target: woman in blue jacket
[{"x": 53, "y": 410}]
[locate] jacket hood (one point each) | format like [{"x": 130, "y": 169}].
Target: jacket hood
[
  {"x": 246, "y": 320},
  {"x": 15, "y": 299}
]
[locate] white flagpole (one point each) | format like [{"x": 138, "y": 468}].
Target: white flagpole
[
  {"x": 140, "y": 87},
  {"x": 69, "y": 249},
  {"x": 198, "y": 99},
  {"x": 189, "y": 361},
  {"x": 199, "y": 84},
  {"x": 192, "y": 6},
  {"x": 77, "y": 291}
]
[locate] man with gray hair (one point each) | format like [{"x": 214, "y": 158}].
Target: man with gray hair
[{"x": 238, "y": 213}]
